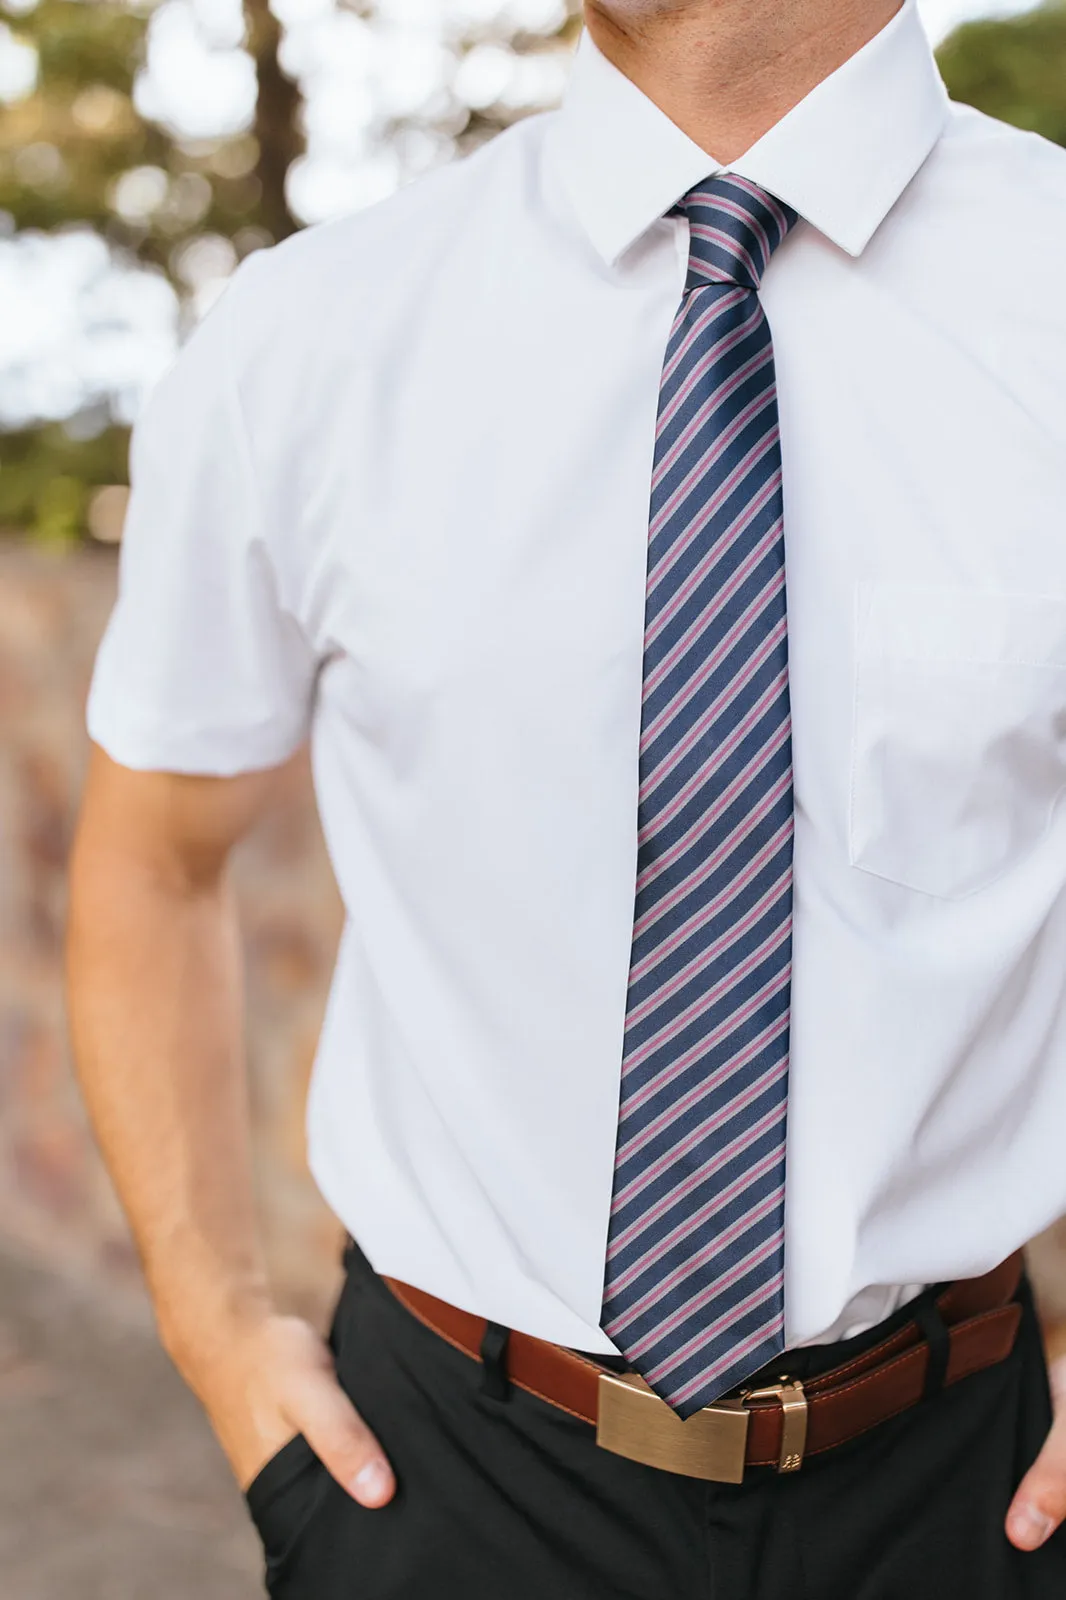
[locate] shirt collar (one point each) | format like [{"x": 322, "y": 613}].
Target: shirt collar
[{"x": 841, "y": 157}]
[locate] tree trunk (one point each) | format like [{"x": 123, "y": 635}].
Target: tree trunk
[{"x": 276, "y": 118}]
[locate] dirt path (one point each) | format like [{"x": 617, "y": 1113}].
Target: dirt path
[{"x": 111, "y": 1484}]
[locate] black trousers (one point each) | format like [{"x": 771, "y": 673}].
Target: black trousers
[{"x": 513, "y": 1500}]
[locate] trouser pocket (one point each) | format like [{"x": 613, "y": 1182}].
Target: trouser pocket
[{"x": 282, "y": 1500}]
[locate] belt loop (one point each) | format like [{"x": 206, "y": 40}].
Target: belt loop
[
  {"x": 928, "y": 1317},
  {"x": 494, "y": 1380}
]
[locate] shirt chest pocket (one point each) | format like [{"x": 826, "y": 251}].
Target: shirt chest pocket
[{"x": 959, "y": 739}]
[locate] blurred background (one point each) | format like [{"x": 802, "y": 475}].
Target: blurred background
[{"x": 145, "y": 148}]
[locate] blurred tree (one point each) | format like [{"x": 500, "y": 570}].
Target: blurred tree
[
  {"x": 48, "y": 478},
  {"x": 78, "y": 152},
  {"x": 88, "y": 148},
  {"x": 277, "y": 119},
  {"x": 1014, "y": 69}
]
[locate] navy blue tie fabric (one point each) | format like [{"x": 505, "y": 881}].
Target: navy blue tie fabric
[{"x": 693, "y": 1292}]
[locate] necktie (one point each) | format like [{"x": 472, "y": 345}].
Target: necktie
[{"x": 695, "y": 1253}]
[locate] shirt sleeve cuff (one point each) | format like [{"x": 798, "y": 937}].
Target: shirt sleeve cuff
[{"x": 208, "y": 751}]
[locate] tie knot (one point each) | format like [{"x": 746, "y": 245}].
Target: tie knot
[{"x": 735, "y": 227}]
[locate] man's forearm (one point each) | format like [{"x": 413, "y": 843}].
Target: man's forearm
[
  {"x": 155, "y": 1011},
  {"x": 155, "y": 1008}
]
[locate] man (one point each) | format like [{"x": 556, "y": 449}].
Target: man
[{"x": 758, "y": 276}]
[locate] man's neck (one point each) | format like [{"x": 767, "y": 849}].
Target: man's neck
[{"x": 725, "y": 71}]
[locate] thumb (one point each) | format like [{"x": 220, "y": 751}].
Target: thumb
[
  {"x": 1040, "y": 1503},
  {"x": 341, "y": 1439}
]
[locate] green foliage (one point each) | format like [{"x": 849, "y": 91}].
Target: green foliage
[
  {"x": 80, "y": 44},
  {"x": 47, "y": 478},
  {"x": 65, "y": 148},
  {"x": 1014, "y": 69},
  {"x": 63, "y": 153},
  {"x": 77, "y": 151}
]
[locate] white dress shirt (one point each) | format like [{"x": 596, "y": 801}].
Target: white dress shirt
[{"x": 394, "y": 495}]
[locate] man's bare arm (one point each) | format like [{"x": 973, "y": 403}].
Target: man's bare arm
[{"x": 155, "y": 1001}]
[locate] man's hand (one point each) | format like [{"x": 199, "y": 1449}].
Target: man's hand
[
  {"x": 1040, "y": 1504},
  {"x": 275, "y": 1378}
]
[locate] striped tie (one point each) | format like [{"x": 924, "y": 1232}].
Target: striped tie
[{"x": 695, "y": 1251}]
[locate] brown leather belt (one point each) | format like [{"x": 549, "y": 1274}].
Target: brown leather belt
[{"x": 774, "y": 1427}]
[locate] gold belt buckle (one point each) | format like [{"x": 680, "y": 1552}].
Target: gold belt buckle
[{"x": 632, "y": 1421}]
